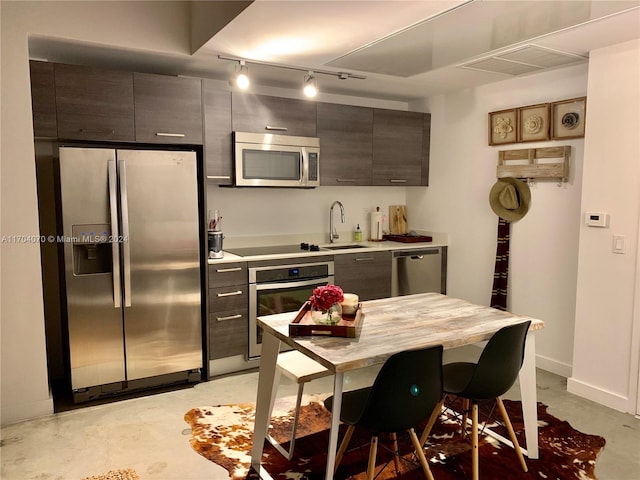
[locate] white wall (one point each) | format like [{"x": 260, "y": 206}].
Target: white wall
[
  {"x": 605, "y": 361},
  {"x": 543, "y": 244},
  {"x": 251, "y": 212}
]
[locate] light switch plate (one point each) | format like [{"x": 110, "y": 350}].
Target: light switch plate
[{"x": 618, "y": 244}]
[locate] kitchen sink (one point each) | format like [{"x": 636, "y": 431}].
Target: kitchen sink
[{"x": 342, "y": 247}]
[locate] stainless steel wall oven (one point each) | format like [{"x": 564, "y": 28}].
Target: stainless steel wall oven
[{"x": 281, "y": 288}]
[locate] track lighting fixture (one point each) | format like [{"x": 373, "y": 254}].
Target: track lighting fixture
[
  {"x": 310, "y": 85},
  {"x": 242, "y": 77},
  {"x": 310, "y": 80}
]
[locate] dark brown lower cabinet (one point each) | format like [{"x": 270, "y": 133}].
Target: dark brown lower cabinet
[
  {"x": 228, "y": 310},
  {"x": 367, "y": 274}
]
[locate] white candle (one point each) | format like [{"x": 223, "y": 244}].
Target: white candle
[{"x": 350, "y": 303}]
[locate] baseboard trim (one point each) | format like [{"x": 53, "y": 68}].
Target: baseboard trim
[
  {"x": 554, "y": 366},
  {"x": 26, "y": 411},
  {"x": 598, "y": 395}
]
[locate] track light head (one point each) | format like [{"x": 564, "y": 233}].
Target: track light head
[
  {"x": 310, "y": 85},
  {"x": 242, "y": 77}
]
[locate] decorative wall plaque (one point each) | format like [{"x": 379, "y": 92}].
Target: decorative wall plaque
[{"x": 568, "y": 118}]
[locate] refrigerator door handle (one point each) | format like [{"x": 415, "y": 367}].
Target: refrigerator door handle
[
  {"x": 115, "y": 246},
  {"x": 126, "y": 253}
]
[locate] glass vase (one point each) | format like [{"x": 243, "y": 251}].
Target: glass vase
[{"x": 327, "y": 317}]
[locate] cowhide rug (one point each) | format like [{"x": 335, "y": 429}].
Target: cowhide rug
[
  {"x": 128, "y": 474},
  {"x": 223, "y": 434}
]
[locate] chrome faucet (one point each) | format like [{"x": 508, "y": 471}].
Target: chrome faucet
[{"x": 333, "y": 234}]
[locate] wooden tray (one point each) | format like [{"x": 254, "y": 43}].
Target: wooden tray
[
  {"x": 349, "y": 326},
  {"x": 408, "y": 238}
]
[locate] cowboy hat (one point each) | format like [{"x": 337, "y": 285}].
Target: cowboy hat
[{"x": 509, "y": 198}]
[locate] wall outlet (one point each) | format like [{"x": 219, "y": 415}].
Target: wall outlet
[{"x": 596, "y": 219}]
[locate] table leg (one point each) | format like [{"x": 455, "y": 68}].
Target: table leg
[
  {"x": 268, "y": 359},
  {"x": 335, "y": 425},
  {"x": 529, "y": 396}
]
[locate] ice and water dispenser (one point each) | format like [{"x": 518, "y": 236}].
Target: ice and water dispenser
[{"x": 91, "y": 249}]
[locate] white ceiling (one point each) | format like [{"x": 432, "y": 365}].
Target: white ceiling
[{"x": 406, "y": 49}]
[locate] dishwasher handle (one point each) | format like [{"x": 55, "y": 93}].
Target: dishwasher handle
[{"x": 416, "y": 254}]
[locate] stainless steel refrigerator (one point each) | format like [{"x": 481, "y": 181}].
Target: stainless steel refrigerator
[{"x": 132, "y": 268}]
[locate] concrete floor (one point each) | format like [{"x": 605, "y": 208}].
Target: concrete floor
[{"x": 149, "y": 434}]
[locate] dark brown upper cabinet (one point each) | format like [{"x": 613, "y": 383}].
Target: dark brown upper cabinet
[
  {"x": 280, "y": 116},
  {"x": 400, "y": 147},
  {"x": 217, "y": 134},
  {"x": 43, "y": 98},
  {"x": 168, "y": 109},
  {"x": 94, "y": 103},
  {"x": 346, "y": 144}
]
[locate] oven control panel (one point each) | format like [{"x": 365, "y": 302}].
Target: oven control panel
[{"x": 293, "y": 272}]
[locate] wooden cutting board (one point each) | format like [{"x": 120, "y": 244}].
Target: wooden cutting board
[{"x": 397, "y": 219}]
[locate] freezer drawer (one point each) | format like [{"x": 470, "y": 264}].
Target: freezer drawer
[{"x": 419, "y": 271}]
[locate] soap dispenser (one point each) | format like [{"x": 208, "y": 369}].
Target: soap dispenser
[{"x": 357, "y": 234}]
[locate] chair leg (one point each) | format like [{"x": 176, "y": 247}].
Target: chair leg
[
  {"x": 344, "y": 445},
  {"x": 432, "y": 420},
  {"x": 423, "y": 460},
  {"x": 373, "y": 451},
  {"x": 465, "y": 415},
  {"x": 396, "y": 453},
  {"x": 474, "y": 442},
  {"x": 512, "y": 434}
]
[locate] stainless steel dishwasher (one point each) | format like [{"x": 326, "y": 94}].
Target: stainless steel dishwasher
[{"x": 419, "y": 271}]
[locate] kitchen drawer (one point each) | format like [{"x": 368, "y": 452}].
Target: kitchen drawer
[
  {"x": 228, "y": 298},
  {"x": 228, "y": 333},
  {"x": 228, "y": 274}
]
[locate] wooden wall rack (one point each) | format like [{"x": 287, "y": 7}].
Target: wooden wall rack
[{"x": 511, "y": 163}]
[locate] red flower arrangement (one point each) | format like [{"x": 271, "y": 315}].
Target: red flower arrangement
[{"x": 324, "y": 297}]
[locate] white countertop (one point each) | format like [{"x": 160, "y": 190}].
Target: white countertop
[{"x": 438, "y": 240}]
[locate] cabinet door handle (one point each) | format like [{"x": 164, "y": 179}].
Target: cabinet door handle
[
  {"x": 364, "y": 259},
  {"x": 226, "y": 270},
  {"x": 280, "y": 129},
  {"x": 230, "y": 317},
  {"x": 346, "y": 180},
  {"x": 230, "y": 294},
  {"x": 168, "y": 134},
  {"x": 398, "y": 180},
  {"x": 218, "y": 177},
  {"x": 88, "y": 130}
]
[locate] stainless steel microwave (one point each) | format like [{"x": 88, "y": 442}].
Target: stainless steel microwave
[{"x": 267, "y": 160}]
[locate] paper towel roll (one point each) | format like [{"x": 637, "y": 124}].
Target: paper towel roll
[{"x": 376, "y": 225}]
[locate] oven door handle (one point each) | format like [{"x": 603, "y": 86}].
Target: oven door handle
[{"x": 297, "y": 283}]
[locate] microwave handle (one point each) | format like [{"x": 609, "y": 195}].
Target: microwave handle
[{"x": 304, "y": 165}]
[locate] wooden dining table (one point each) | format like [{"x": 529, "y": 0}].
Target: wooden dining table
[{"x": 390, "y": 325}]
